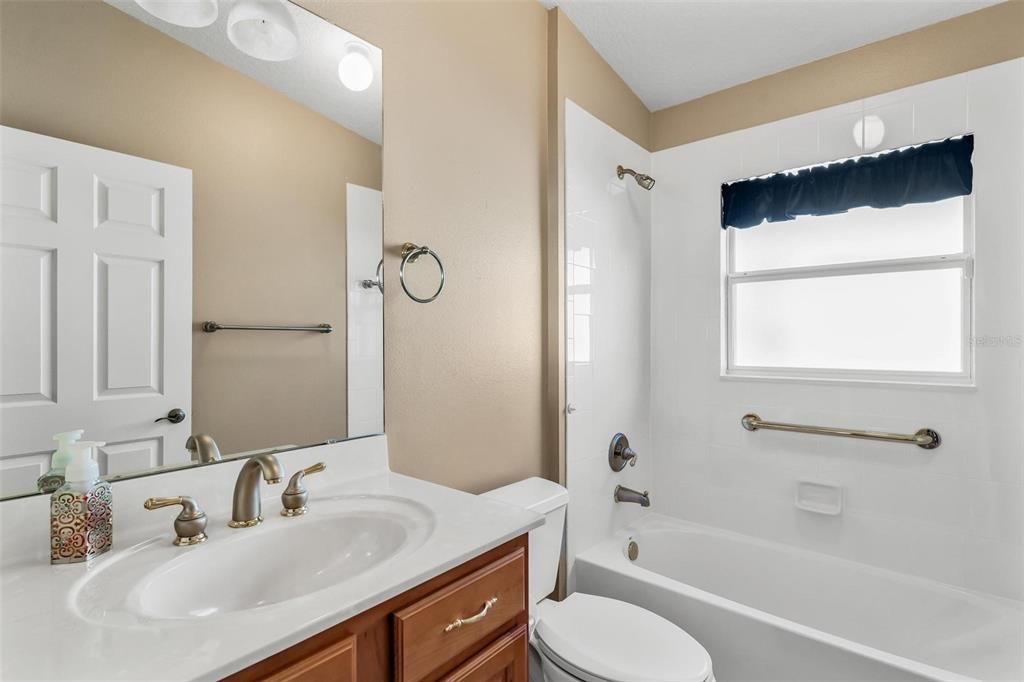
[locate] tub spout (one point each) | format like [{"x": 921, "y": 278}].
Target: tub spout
[{"x": 624, "y": 494}]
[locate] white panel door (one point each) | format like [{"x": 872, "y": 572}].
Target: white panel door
[
  {"x": 95, "y": 305},
  {"x": 364, "y": 247}
]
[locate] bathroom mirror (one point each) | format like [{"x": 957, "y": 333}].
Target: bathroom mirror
[{"x": 191, "y": 231}]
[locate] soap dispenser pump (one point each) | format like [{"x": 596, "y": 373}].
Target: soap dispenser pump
[
  {"x": 54, "y": 478},
  {"x": 80, "y": 510}
]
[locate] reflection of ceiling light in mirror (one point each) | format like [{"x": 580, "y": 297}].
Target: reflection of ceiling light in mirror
[
  {"x": 868, "y": 132},
  {"x": 355, "y": 69},
  {"x": 188, "y": 13},
  {"x": 263, "y": 29}
]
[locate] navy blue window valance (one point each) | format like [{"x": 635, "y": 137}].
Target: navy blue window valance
[{"x": 915, "y": 175}]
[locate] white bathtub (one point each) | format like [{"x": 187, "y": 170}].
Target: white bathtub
[{"x": 767, "y": 611}]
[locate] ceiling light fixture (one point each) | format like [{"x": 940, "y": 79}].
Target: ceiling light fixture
[
  {"x": 355, "y": 69},
  {"x": 187, "y": 13},
  {"x": 868, "y": 132},
  {"x": 263, "y": 29}
]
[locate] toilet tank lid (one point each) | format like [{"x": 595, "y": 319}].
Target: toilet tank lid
[{"x": 539, "y": 495}]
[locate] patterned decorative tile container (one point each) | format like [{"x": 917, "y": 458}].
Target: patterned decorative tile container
[{"x": 81, "y": 524}]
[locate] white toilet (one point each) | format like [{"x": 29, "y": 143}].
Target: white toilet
[{"x": 586, "y": 637}]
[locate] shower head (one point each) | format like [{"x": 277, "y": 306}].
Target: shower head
[{"x": 645, "y": 181}]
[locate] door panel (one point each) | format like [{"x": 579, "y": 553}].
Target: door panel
[
  {"x": 126, "y": 205},
  {"x": 28, "y": 307},
  {"x": 96, "y": 304},
  {"x": 129, "y": 320},
  {"x": 29, "y": 190},
  {"x": 129, "y": 456}
]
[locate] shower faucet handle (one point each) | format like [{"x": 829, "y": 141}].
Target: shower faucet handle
[{"x": 620, "y": 454}]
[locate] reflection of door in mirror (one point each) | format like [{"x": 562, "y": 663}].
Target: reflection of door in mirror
[{"x": 92, "y": 242}]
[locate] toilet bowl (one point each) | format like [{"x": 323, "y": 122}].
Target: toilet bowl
[{"x": 585, "y": 637}]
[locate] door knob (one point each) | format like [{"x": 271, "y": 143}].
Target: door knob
[{"x": 175, "y": 416}]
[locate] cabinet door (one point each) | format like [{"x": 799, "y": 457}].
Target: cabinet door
[
  {"x": 336, "y": 663},
  {"x": 505, "y": 660}
]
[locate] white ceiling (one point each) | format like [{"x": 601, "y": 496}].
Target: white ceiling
[
  {"x": 310, "y": 78},
  {"x": 672, "y": 51}
]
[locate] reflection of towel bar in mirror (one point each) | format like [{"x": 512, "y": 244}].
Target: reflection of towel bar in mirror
[
  {"x": 321, "y": 328},
  {"x": 410, "y": 254}
]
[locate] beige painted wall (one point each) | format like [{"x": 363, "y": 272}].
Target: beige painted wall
[
  {"x": 464, "y": 172},
  {"x": 970, "y": 41},
  {"x": 269, "y": 201},
  {"x": 587, "y": 79}
]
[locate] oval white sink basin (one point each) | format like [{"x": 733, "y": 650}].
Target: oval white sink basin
[
  {"x": 301, "y": 559},
  {"x": 236, "y": 570}
]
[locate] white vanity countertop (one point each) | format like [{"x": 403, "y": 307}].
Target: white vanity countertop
[{"x": 46, "y": 633}]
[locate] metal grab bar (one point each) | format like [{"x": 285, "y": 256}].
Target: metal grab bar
[
  {"x": 928, "y": 439},
  {"x": 216, "y": 326}
]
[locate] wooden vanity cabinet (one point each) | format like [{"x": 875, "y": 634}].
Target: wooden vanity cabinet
[{"x": 417, "y": 636}]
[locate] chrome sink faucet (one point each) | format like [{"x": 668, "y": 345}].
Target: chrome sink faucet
[
  {"x": 624, "y": 494},
  {"x": 246, "y": 507}
]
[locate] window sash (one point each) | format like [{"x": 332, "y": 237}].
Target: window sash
[{"x": 963, "y": 261}]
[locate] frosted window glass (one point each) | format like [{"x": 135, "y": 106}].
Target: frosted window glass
[
  {"x": 863, "y": 234},
  {"x": 900, "y": 321}
]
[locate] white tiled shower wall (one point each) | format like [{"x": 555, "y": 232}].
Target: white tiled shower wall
[
  {"x": 954, "y": 514},
  {"x": 365, "y": 323},
  {"x": 608, "y": 255}
]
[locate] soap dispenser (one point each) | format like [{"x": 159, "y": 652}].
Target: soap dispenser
[
  {"x": 54, "y": 478},
  {"x": 80, "y": 510}
]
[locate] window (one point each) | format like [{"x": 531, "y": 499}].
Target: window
[{"x": 871, "y": 294}]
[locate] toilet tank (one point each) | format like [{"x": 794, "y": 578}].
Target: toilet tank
[{"x": 548, "y": 499}]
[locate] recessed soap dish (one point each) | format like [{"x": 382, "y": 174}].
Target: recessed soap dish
[{"x": 819, "y": 498}]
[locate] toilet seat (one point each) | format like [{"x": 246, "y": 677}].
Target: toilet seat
[{"x": 597, "y": 639}]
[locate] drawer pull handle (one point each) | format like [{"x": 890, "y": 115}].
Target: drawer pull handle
[{"x": 459, "y": 622}]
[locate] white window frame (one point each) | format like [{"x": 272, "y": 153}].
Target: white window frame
[{"x": 964, "y": 260}]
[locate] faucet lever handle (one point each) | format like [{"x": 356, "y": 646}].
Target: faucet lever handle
[
  {"x": 190, "y": 525},
  {"x": 161, "y": 502},
  {"x": 295, "y": 482},
  {"x": 295, "y": 496}
]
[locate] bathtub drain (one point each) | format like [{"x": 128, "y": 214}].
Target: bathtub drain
[{"x": 632, "y": 550}]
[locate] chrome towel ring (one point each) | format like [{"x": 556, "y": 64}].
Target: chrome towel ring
[
  {"x": 410, "y": 254},
  {"x": 377, "y": 280}
]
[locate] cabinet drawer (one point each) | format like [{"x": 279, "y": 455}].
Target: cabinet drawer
[
  {"x": 505, "y": 660},
  {"x": 459, "y": 617},
  {"x": 335, "y": 663}
]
